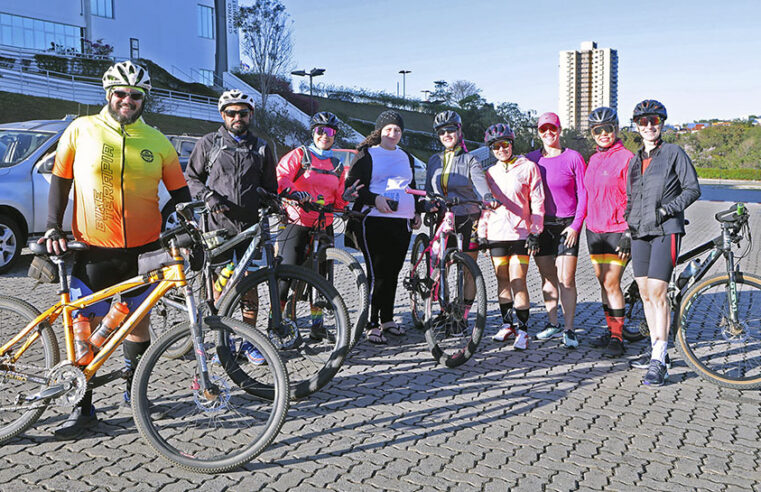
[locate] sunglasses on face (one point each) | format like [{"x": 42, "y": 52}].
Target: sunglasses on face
[
  {"x": 231, "y": 113},
  {"x": 325, "y": 130},
  {"x": 449, "y": 129},
  {"x": 654, "y": 120},
  {"x": 135, "y": 96},
  {"x": 603, "y": 129},
  {"x": 548, "y": 128},
  {"x": 502, "y": 144}
]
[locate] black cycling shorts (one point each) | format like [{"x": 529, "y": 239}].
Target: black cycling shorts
[
  {"x": 602, "y": 248},
  {"x": 98, "y": 268},
  {"x": 467, "y": 225},
  {"x": 502, "y": 249},
  {"x": 551, "y": 240},
  {"x": 655, "y": 256}
]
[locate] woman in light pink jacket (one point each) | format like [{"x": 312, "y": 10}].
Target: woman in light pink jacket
[{"x": 512, "y": 229}]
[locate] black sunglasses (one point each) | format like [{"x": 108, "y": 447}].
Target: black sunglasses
[
  {"x": 135, "y": 96},
  {"x": 603, "y": 128},
  {"x": 230, "y": 113},
  {"x": 448, "y": 129}
]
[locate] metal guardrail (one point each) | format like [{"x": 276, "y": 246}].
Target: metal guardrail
[{"x": 23, "y": 75}]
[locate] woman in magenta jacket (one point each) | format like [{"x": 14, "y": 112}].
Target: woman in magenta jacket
[{"x": 608, "y": 238}]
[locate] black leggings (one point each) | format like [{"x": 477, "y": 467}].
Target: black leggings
[
  {"x": 384, "y": 242},
  {"x": 292, "y": 245}
]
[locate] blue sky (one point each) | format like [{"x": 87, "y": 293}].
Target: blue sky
[{"x": 702, "y": 59}]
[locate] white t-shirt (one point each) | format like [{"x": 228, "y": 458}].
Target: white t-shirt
[{"x": 391, "y": 176}]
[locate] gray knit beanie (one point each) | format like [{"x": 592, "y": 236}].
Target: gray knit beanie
[{"x": 389, "y": 118}]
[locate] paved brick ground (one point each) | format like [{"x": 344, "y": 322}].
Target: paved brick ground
[{"x": 545, "y": 419}]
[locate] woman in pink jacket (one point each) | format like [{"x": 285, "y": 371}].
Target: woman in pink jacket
[
  {"x": 608, "y": 234},
  {"x": 512, "y": 229}
]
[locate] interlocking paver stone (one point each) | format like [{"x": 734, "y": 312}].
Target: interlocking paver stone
[{"x": 546, "y": 418}]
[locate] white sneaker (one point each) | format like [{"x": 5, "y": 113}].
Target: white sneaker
[
  {"x": 506, "y": 331},
  {"x": 521, "y": 340}
]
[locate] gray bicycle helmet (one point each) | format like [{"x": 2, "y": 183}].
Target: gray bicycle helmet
[
  {"x": 603, "y": 115},
  {"x": 324, "y": 118},
  {"x": 650, "y": 106},
  {"x": 500, "y": 131},
  {"x": 127, "y": 74},
  {"x": 447, "y": 118}
]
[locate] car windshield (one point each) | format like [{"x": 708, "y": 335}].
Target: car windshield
[{"x": 17, "y": 145}]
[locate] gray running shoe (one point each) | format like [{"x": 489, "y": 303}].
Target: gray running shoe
[{"x": 657, "y": 374}]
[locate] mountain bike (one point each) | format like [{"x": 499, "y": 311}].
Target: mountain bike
[
  {"x": 437, "y": 279},
  {"x": 341, "y": 269},
  {"x": 311, "y": 362},
  {"x": 254, "y": 288},
  {"x": 200, "y": 415},
  {"x": 718, "y": 319}
]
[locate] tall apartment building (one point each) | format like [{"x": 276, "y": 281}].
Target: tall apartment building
[
  {"x": 192, "y": 39},
  {"x": 588, "y": 80}
]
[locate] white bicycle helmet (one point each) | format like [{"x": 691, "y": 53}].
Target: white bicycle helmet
[
  {"x": 234, "y": 97},
  {"x": 128, "y": 74}
]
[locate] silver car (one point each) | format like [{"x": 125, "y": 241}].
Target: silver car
[{"x": 27, "y": 154}]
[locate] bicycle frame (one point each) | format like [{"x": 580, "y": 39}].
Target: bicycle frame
[{"x": 165, "y": 279}]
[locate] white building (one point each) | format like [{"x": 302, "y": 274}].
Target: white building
[
  {"x": 588, "y": 79},
  {"x": 194, "y": 40}
]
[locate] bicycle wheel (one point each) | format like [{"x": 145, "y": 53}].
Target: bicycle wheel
[
  {"x": 350, "y": 281},
  {"x": 17, "y": 415},
  {"x": 312, "y": 357},
  {"x": 635, "y": 327},
  {"x": 418, "y": 282},
  {"x": 720, "y": 351},
  {"x": 203, "y": 433},
  {"x": 453, "y": 335}
]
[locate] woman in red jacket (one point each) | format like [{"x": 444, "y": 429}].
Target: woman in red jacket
[{"x": 608, "y": 237}]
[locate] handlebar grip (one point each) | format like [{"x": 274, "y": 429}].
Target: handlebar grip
[{"x": 412, "y": 191}]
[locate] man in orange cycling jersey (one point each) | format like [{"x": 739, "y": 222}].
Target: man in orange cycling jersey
[{"x": 116, "y": 161}]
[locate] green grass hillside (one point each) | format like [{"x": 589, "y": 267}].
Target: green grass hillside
[
  {"x": 369, "y": 112},
  {"x": 18, "y": 107}
]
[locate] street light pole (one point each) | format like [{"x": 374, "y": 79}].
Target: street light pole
[
  {"x": 404, "y": 82},
  {"x": 315, "y": 72}
]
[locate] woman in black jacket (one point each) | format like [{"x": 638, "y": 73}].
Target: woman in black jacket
[
  {"x": 386, "y": 171},
  {"x": 661, "y": 184}
]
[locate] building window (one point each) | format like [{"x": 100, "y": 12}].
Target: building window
[
  {"x": 102, "y": 8},
  {"x": 206, "y": 77},
  {"x": 205, "y": 22},
  {"x": 35, "y": 34},
  {"x": 134, "y": 48}
]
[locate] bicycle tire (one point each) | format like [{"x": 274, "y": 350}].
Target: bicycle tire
[
  {"x": 358, "y": 290},
  {"x": 447, "y": 345},
  {"x": 190, "y": 430},
  {"x": 732, "y": 366},
  {"x": 14, "y": 315},
  {"x": 419, "y": 281},
  {"x": 635, "y": 328},
  {"x": 312, "y": 363}
]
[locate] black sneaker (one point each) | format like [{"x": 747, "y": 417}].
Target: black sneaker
[
  {"x": 601, "y": 341},
  {"x": 657, "y": 374},
  {"x": 77, "y": 423},
  {"x": 643, "y": 362},
  {"x": 614, "y": 348}
]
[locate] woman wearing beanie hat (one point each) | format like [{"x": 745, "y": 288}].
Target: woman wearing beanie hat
[
  {"x": 454, "y": 173},
  {"x": 383, "y": 172},
  {"x": 565, "y": 206}
]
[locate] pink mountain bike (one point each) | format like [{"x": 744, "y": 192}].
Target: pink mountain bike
[{"x": 446, "y": 287}]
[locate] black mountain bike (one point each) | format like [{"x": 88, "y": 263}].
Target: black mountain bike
[{"x": 718, "y": 319}]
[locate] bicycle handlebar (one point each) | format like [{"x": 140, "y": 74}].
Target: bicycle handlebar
[{"x": 448, "y": 201}]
